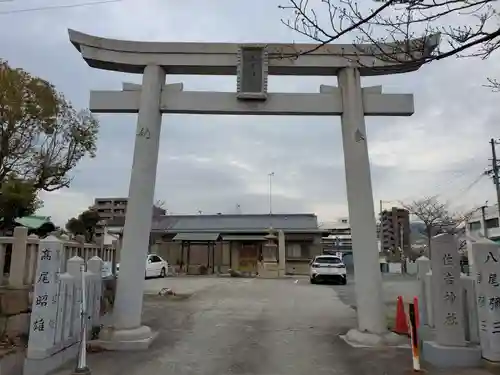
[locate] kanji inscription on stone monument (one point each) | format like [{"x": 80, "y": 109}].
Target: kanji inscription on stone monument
[
  {"x": 45, "y": 298},
  {"x": 487, "y": 264},
  {"x": 450, "y": 327}
]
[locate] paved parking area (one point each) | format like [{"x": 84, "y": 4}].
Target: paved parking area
[
  {"x": 393, "y": 286},
  {"x": 185, "y": 284},
  {"x": 251, "y": 327}
]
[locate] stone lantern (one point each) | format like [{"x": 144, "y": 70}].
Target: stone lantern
[
  {"x": 269, "y": 266},
  {"x": 269, "y": 249}
]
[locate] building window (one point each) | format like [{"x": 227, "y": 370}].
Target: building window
[
  {"x": 475, "y": 225},
  {"x": 492, "y": 223},
  {"x": 297, "y": 251}
]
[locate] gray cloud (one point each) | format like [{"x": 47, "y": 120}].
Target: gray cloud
[{"x": 213, "y": 163}]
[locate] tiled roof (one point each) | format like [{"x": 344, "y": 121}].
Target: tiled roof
[
  {"x": 234, "y": 223},
  {"x": 33, "y": 222}
]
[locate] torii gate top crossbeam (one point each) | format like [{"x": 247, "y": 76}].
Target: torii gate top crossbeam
[{"x": 222, "y": 58}]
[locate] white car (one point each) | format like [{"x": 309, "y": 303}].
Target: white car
[
  {"x": 156, "y": 266},
  {"x": 327, "y": 268}
]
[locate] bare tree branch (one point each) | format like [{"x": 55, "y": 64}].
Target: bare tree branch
[
  {"x": 437, "y": 217},
  {"x": 468, "y": 28}
]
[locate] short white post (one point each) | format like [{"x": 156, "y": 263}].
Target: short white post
[
  {"x": 368, "y": 278},
  {"x": 81, "y": 367},
  {"x": 130, "y": 289},
  {"x": 74, "y": 266},
  {"x": 94, "y": 266},
  {"x": 17, "y": 274},
  {"x": 423, "y": 267}
]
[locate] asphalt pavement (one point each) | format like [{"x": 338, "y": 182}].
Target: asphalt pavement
[
  {"x": 393, "y": 285},
  {"x": 252, "y": 327}
]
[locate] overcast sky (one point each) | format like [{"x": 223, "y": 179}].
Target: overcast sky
[{"x": 214, "y": 163}]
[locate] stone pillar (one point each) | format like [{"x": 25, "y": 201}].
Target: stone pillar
[
  {"x": 469, "y": 240},
  {"x": 282, "y": 253},
  {"x": 18, "y": 269},
  {"x": 114, "y": 256},
  {"x": 94, "y": 267},
  {"x": 368, "y": 278},
  {"x": 45, "y": 296},
  {"x": 423, "y": 267},
  {"x": 487, "y": 261},
  {"x": 130, "y": 289},
  {"x": 470, "y": 301},
  {"x": 74, "y": 270},
  {"x": 450, "y": 348},
  {"x": 448, "y": 301}
]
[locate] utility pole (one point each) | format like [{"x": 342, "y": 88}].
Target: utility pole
[
  {"x": 271, "y": 175},
  {"x": 483, "y": 221},
  {"x": 494, "y": 170}
]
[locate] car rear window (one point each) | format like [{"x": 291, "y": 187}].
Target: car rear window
[{"x": 328, "y": 260}]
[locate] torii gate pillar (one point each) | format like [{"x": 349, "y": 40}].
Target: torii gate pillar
[{"x": 368, "y": 278}]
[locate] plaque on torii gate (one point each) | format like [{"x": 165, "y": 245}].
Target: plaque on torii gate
[{"x": 252, "y": 63}]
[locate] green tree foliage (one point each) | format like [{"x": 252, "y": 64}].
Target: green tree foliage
[
  {"x": 18, "y": 198},
  {"x": 42, "y": 137},
  {"x": 85, "y": 224}
]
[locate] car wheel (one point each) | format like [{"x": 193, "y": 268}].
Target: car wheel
[
  {"x": 163, "y": 272},
  {"x": 312, "y": 281},
  {"x": 343, "y": 281}
]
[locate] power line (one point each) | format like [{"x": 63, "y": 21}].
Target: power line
[
  {"x": 470, "y": 186},
  {"x": 51, "y": 7},
  {"x": 440, "y": 186}
]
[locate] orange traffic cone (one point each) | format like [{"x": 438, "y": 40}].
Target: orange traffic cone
[{"x": 401, "y": 323}]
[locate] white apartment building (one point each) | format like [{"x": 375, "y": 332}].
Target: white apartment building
[
  {"x": 339, "y": 237},
  {"x": 487, "y": 226}
]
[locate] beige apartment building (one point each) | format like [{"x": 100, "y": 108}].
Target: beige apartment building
[{"x": 112, "y": 210}]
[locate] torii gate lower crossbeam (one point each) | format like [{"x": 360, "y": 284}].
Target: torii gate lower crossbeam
[{"x": 252, "y": 65}]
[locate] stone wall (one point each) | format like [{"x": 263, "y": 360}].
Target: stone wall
[{"x": 14, "y": 311}]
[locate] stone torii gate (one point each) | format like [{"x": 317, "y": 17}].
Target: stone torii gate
[{"x": 252, "y": 63}]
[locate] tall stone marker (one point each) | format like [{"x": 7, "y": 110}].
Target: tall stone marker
[
  {"x": 54, "y": 334},
  {"x": 449, "y": 314},
  {"x": 44, "y": 309},
  {"x": 487, "y": 267},
  {"x": 450, "y": 348}
]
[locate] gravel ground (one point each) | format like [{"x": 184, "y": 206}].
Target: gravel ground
[
  {"x": 393, "y": 286},
  {"x": 252, "y": 326}
]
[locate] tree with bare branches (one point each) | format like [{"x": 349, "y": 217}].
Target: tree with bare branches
[
  {"x": 437, "y": 218},
  {"x": 466, "y": 27}
]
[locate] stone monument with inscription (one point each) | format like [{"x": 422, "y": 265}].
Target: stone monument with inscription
[
  {"x": 55, "y": 316},
  {"x": 449, "y": 348},
  {"x": 252, "y": 63},
  {"x": 487, "y": 273}
]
